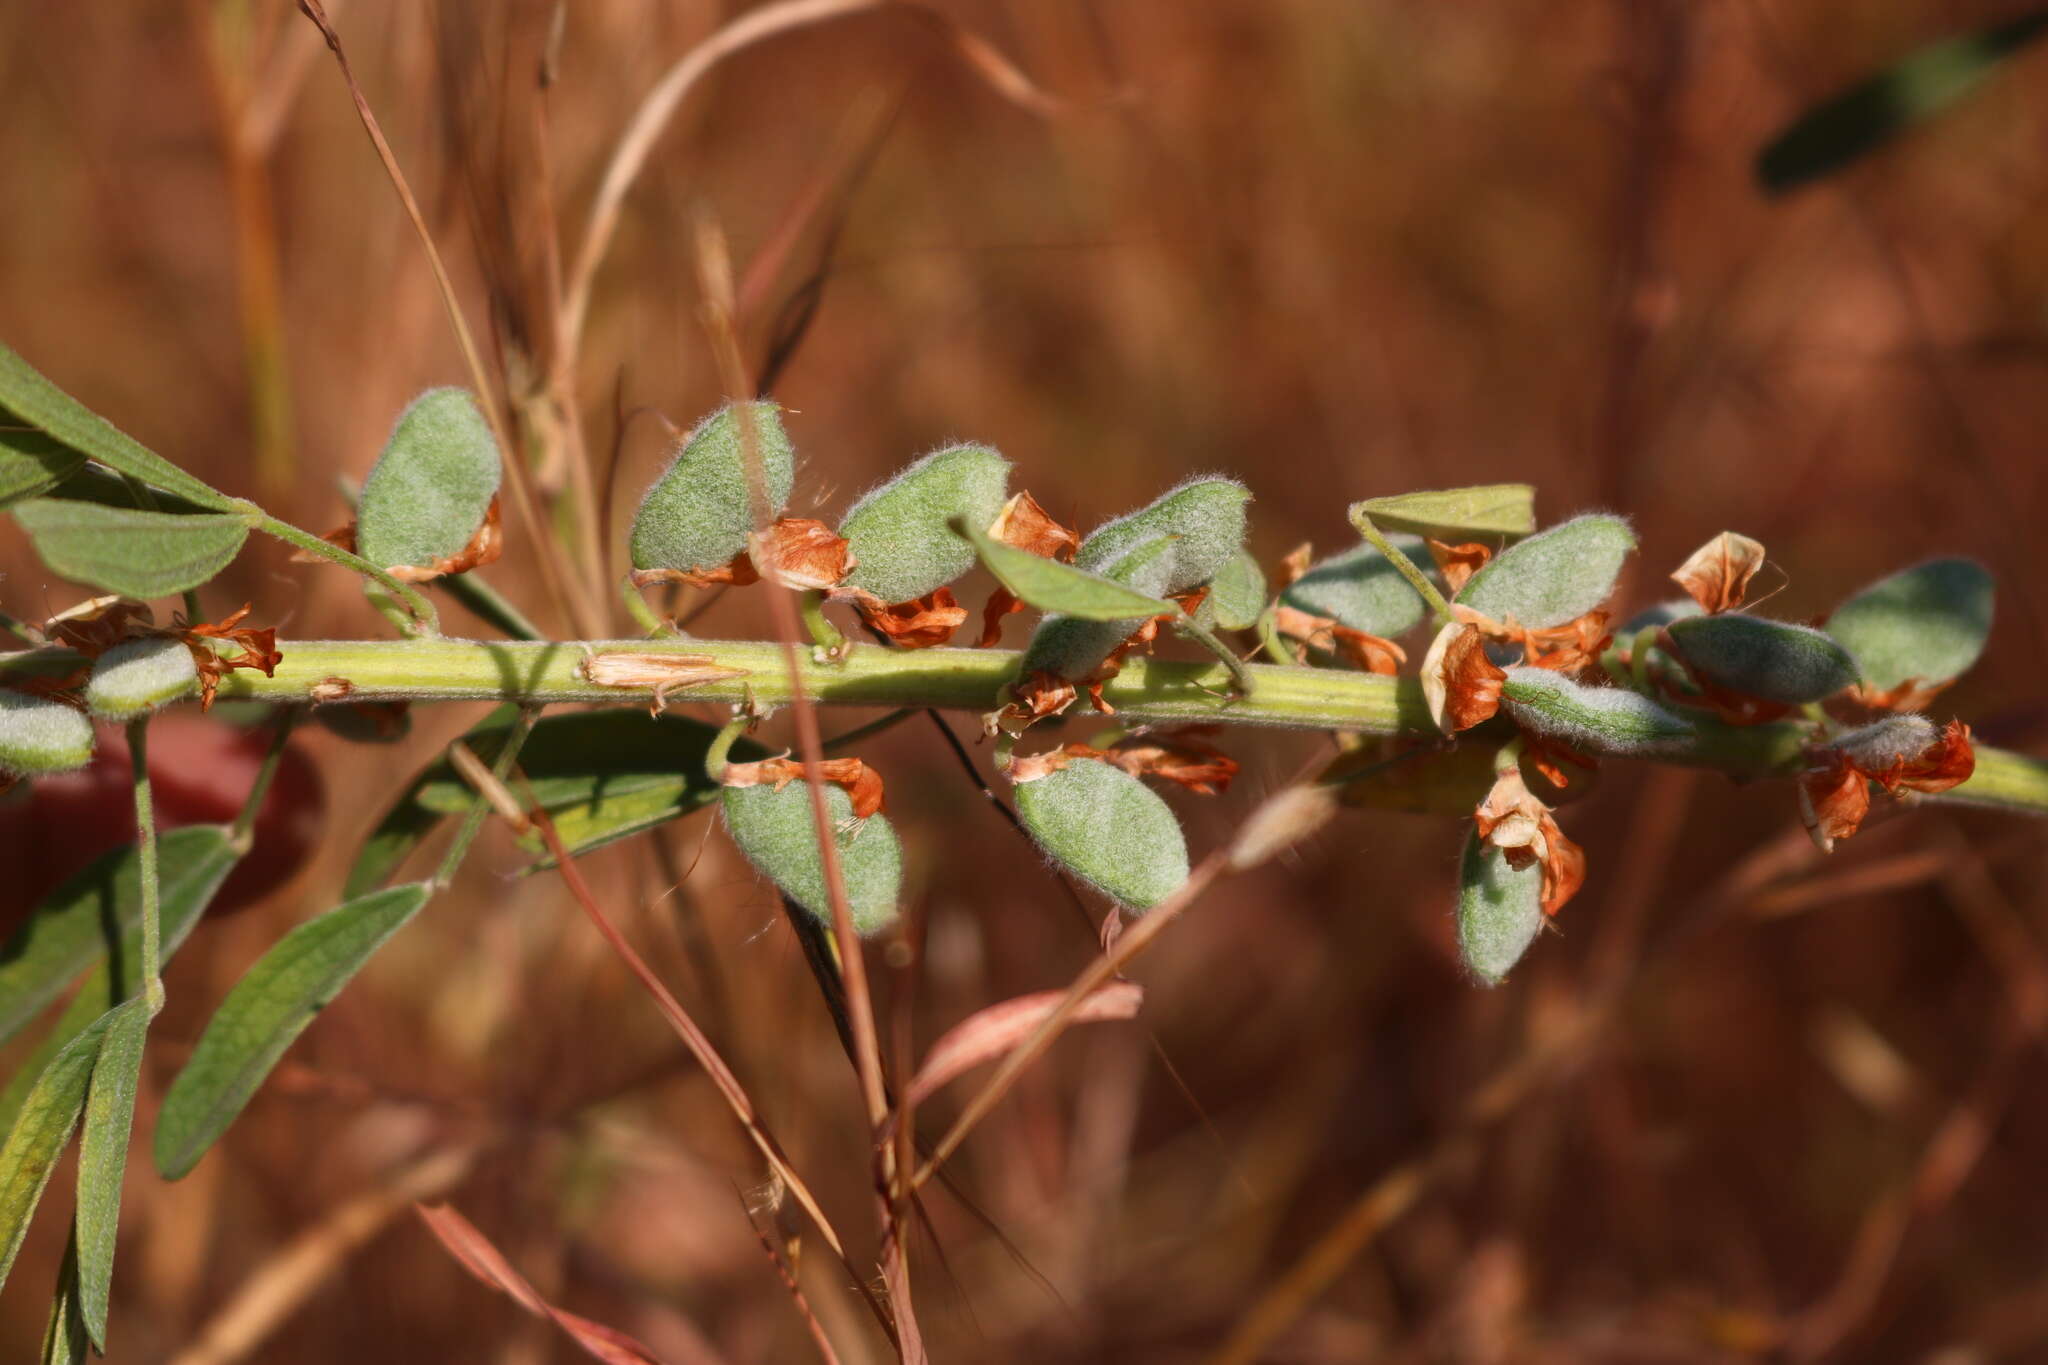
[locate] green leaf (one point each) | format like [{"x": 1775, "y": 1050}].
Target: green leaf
[
  {"x": 25, "y": 392},
  {"x": 1362, "y": 590},
  {"x": 429, "y": 492},
  {"x": 31, "y": 464},
  {"x": 1600, "y": 720},
  {"x": 1929, "y": 622},
  {"x": 103, "y": 1159},
  {"x": 899, "y": 533},
  {"x": 1202, "y": 522},
  {"x": 65, "y": 1341},
  {"x": 1773, "y": 660},
  {"x": 775, "y": 831},
  {"x": 40, "y": 735},
  {"x": 1237, "y": 594},
  {"x": 1552, "y": 577},
  {"x": 136, "y": 677},
  {"x": 141, "y": 554},
  {"x": 1107, "y": 828},
  {"x": 1500, "y": 910},
  {"x": 267, "y": 1009},
  {"x": 1872, "y": 112},
  {"x": 1496, "y": 509},
  {"x": 40, "y": 1133},
  {"x": 1052, "y": 586},
  {"x": 68, "y": 932},
  {"x": 699, "y": 513},
  {"x": 583, "y": 757}
]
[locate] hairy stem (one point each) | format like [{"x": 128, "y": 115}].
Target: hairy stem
[{"x": 145, "y": 864}]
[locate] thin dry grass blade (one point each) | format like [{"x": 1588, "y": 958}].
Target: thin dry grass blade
[
  {"x": 474, "y": 1252},
  {"x": 989, "y": 1033},
  {"x": 785, "y": 1272}
]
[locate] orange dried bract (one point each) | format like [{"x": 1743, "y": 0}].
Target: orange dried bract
[
  {"x": 1190, "y": 763},
  {"x": 1513, "y": 820},
  {"x": 259, "y": 651},
  {"x": 1946, "y": 763},
  {"x": 1371, "y": 653},
  {"x": 1833, "y": 799},
  {"x": 1295, "y": 563},
  {"x": 1834, "y": 794},
  {"x": 736, "y": 572},
  {"x": 1910, "y": 695},
  {"x": 1472, "y": 682},
  {"x": 95, "y": 626},
  {"x": 918, "y": 624},
  {"x": 1717, "y": 574},
  {"x": 483, "y": 548},
  {"x": 1458, "y": 563},
  {"x": 1025, "y": 525},
  {"x": 1550, "y": 757},
  {"x": 1002, "y": 602},
  {"x": 799, "y": 552},
  {"x": 1572, "y": 647},
  {"x": 862, "y": 784},
  {"x": 1042, "y": 694}
]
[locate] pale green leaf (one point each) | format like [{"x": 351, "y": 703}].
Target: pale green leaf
[
  {"x": 699, "y": 513},
  {"x": 776, "y": 832},
  {"x": 1773, "y": 660},
  {"x": 899, "y": 535},
  {"x": 1497, "y": 509},
  {"x": 1929, "y": 623},
  {"x": 31, "y": 463},
  {"x": 1052, "y": 586},
  {"x": 1500, "y": 910},
  {"x": 1361, "y": 589},
  {"x": 124, "y": 550},
  {"x": 40, "y": 735},
  {"x": 265, "y": 1012},
  {"x": 1107, "y": 828},
  {"x": 1237, "y": 594},
  {"x": 1553, "y": 577},
  {"x": 103, "y": 1159},
  {"x": 429, "y": 492},
  {"x": 40, "y": 1133},
  {"x": 65, "y": 1341}
]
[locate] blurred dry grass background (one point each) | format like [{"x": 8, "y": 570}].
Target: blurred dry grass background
[{"x": 1746, "y": 1105}]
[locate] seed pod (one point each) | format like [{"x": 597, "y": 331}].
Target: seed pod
[
  {"x": 39, "y": 736},
  {"x": 1500, "y": 910},
  {"x": 137, "y": 676},
  {"x": 1600, "y": 720},
  {"x": 699, "y": 513},
  {"x": 1554, "y": 576},
  {"x": 432, "y": 485},
  {"x": 1176, "y": 543},
  {"x": 775, "y": 830},
  {"x": 1237, "y": 594},
  {"x": 1362, "y": 590},
  {"x": 1757, "y": 657},
  {"x": 1107, "y": 828},
  {"x": 1928, "y": 622},
  {"x": 897, "y": 533}
]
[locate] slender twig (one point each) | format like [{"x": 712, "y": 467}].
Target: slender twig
[
  {"x": 243, "y": 831},
  {"x": 145, "y": 865},
  {"x": 1403, "y": 565},
  {"x": 480, "y": 805}
]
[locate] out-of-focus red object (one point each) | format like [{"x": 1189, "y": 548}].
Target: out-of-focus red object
[{"x": 200, "y": 770}]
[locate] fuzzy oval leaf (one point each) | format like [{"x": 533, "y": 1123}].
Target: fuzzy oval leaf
[
  {"x": 1599, "y": 720},
  {"x": 135, "y": 677},
  {"x": 68, "y": 932},
  {"x": 1928, "y": 622},
  {"x": 26, "y": 393},
  {"x": 775, "y": 831},
  {"x": 900, "y": 533},
  {"x": 1554, "y": 576},
  {"x": 1872, "y": 112},
  {"x": 1051, "y": 586},
  {"x": 699, "y": 513},
  {"x": 1757, "y": 657},
  {"x": 39, "y": 735},
  {"x": 31, "y": 463},
  {"x": 1237, "y": 594},
  {"x": 125, "y": 550},
  {"x": 1495, "y": 509},
  {"x": 1362, "y": 590},
  {"x": 265, "y": 1012},
  {"x": 103, "y": 1159},
  {"x": 1107, "y": 828},
  {"x": 40, "y": 1132},
  {"x": 1500, "y": 910},
  {"x": 431, "y": 487},
  {"x": 1201, "y": 522}
]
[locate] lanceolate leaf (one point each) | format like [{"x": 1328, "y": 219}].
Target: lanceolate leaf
[
  {"x": 1500, "y": 910},
  {"x": 1928, "y": 622},
  {"x": 40, "y": 1133},
  {"x": 1052, "y": 586},
  {"x": 1552, "y": 577},
  {"x": 1867, "y": 115},
  {"x": 64, "y": 1337},
  {"x": 31, "y": 464},
  {"x": 1360, "y": 589},
  {"x": 141, "y": 554},
  {"x": 1499, "y": 509},
  {"x": 37, "y": 401},
  {"x": 1107, "y": 828},
  {"x": 432, "y": 485},
  {"x": 1757, "y": 657},
  {"x": 268, "y": 1009},
  {"x": 578, "y": 757},
  {"x": 898, "y": 533},
  {"x": 103, "y": 1159},
  {"x": 68, "y": 932}
]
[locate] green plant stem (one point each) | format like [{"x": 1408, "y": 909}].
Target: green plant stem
[
  {"x": 825, "y": 635},
  {"x": 242, "y": 833},
  {"x": 720, "y": 748},
  {"x": 421, "y": 609},
  {"x": 480, "y": 805},
  {"x": 636, "y": 606},
  {"x": 1241, "y": 680},
  {"x": 1403, "y": 565},
  {"x": 145, "y": 864}
]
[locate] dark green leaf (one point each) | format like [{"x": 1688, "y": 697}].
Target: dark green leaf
[
  {"x": 64, "y": 1336},
  {"x": 141, "y": 554},
  {"x": 40, "y": 1133},
  {"x": 1929, "y": 622},
  {"x": 1869, "y": 114},
  {"x": 37, "y": 401},
  {"x": 430, "y": 489},
  {"x": 1774, "y": 660},
  {"x": 1499, "y": 509},
  {"x": 1052, "y": 586},
  {"x": 267, "y": 1009},
  {"x": 103, "y": 1159},
  {"x": 31, "y": 464},
  {"x": 1361, "y": 589}
]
